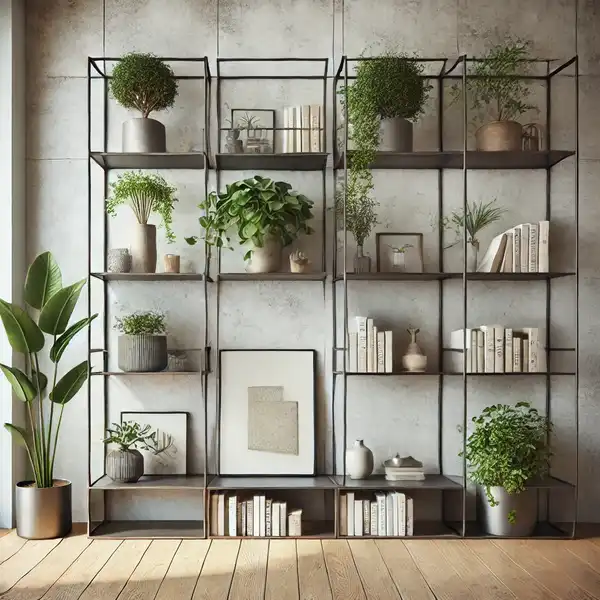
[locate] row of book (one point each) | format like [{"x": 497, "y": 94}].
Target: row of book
[
  {"x": 256, "y": 516},
  {"x": 303, "y": 128},
  {"x": 522, "y": 249},
  {"x": 391, "y": 514},
  {"x": 498, "y": 349},
  {"x": 370, "y": 350}
]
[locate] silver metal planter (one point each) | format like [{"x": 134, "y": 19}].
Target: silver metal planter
[
  {"x": 142, "y": 353},
  {"x": 395, "y": 135},
  {"x": 144, "y": 135},
  {"x": 124, "y": 466},
  {"x": 495, "y": 518},
  {"x": 43, "y": 513}
]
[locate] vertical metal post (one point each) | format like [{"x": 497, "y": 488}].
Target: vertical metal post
[{"x": 345, "y": 264}]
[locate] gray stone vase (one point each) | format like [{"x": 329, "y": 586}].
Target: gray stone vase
[
  {"x": 395, "y": 135},
  {"x": 142, "y": 353},
  {"x": 495, "y": 518},
  {"x": 124, "y": 466},
  {"x": 144, "y": 135}
]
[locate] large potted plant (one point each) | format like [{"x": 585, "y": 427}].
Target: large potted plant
[
  {"x": 145, "y": 83},
  {"x": 495, "y": 90},
  {"x": 142, "y": 345},
  {"x": 145, "y": 193},
  {"x": 266, "y": 215},
  {"x": 125, "y": 464},
  {"x": 507, "y": 449},
  {"x": 43, "y": 504}
]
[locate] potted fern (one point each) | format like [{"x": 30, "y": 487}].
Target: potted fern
[
  {"x": 145, "y": 193},
  {"x": 508, "y": 449},
  {"x": 142, "y": 345},
  {"x": 144, "y": 83},
  {"x": 43, "y": 504}
]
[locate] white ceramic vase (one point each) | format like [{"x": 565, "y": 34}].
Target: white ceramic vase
[
  {"x": 266, "y": 259},
  {"x": 359, "y": 461},
  {"x": 414, "y": 360}
]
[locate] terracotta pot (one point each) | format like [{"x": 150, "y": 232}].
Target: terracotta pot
[{"x": 499, "y": 136}]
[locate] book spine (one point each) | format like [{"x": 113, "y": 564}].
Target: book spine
[
  {"x": 350, "y": 513},
  {"x": 214, "y": 514},
  {"x": 358, "y": 517},
  {"x": 401, "y": 514},
  {"x": 544, "y": 246},
  {"x": 381, "y": 352},
  {"x": 516, "y": 250},
  {"x": 473, "y": 351},
  {"x": 533, "y": 334},
  {"x": 262, "y": 516},
  {"x": 525, "y": 355},
  {"x": 268, "y": 517},
  {"x": 490, "y": 348},
  {"x": 389, "y": 514},
  {"x": 221, "y": 515},
  {"x": 389, "y": 352},
  {"x": 480, "y": 351},
  {"x": 295, "y": 523},
  {"x": 381, "y": 516},
  {"x": 366, "y": 517},
  {"x": 396, "y": 514},
  {"x": 275, "y": 519},
  {"x": 370, "y": 346},
  {"x": 322, "y": 128},
  {"x": 361, "y": 327},
  {"x": 285, "y": 131},
  {"x": 533, "y": 248},
  {"x": 298, "y": 128},
  {"x": 250, "y": 517},
  {"x": 343, "y": 515},
  {"x": 306, "y": 128},
  {"x": 517, "y": 346},
  {"x": 499, "y": 350},
  {"x": 353, "y": 352},
  {"x": 508, "y": 350},
  {"x": 283, "y": 519},
  {"x": 315, "y": 128},
  {"x": 524, "y": 247},
  {"x": 410, "y": 517},
  {"x": 374, "y": 518},
  {"x": 244, "y": 522},
  {"x": 256, "y": 516},
  {"x": 232, "y": 500},
  {"x": 507, "y": 265}
]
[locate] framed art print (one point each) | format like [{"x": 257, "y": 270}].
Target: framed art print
[
  {"x": 399, "y": 252},
  {"x": 267, "y": 412}
]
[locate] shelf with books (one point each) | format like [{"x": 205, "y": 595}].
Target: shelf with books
[
  {"x": 456, "y": 276},
  {"x": 124, "y": 530},
  {"x": 321, "y": 530},
  {"x": 149, "y": 276},
  {"x": 316, "y": 276},
  {"x": 153, "y": 482},
  {"x": 271, "y": 482},
  {"x": 284, "y": 161},
  {"x": 376, "y": 482},
  {"x": 396, "y": 374},
  {"x": 150, "y": 160},
  {"x": 422, "y": 529}
]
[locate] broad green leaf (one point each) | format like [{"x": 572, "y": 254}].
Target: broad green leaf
[
  {"x": 23, "y": 333},
  {"x": 21, "y": 385},
  {"x": 18, "y": 433},
  {"x": 192, "y": 241},
  {"x": 44, "y": 279},
  {"x": 249, "y": 230},
  {"x": 65, "y": 339},
  {"x": 70, "y": 384},
  {"x": 56, "y": 313},
  {"x": 43, "y": 380}
]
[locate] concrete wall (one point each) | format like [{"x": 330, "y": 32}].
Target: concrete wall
[{"x": 393, "y": 415}]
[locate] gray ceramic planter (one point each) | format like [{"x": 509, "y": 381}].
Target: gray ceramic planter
[
  {"x": 142, "y": 353},
  {"x": 495, "y": 518},
  {"x": 144, "y": 135},
  {"x": 124, "y": 466},
  {"x": 43, "y": 513}
]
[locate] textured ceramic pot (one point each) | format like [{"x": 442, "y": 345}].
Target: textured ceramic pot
[
  {"x": 499, "y": 136},
  {"x": 359, "y": 461},
  {"x": 142, "y": 353},
  {"x": 144, "y": 135},
  {"x": 172, "y": 263},
  {"x": 362, "y": 262},
  {"x": 414, "y": 360},
  {"x": 495, "y": 518},
  {"x": 143, "y": 248},
  {"x": 118, "y": 260},
  {"x": 124, "y": 466},
  {"x": 43, "y": 513},
  {"x": 395, "y": 135},
  {"x": 266, "y": 259}
]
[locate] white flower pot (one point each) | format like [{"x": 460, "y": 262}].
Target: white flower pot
[{"x": 266, "y": 259}]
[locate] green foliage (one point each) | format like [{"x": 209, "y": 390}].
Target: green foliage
[
  {"x": 145, "y": 193},
  {"x": 142, "y": 323},
  {"x": 256, "y": 208},
  {"x": 361, "y": 216},
  {"x": 44, "y": 292},
  {"x": 479, "y": 216},
  {"x": 127, "y": 435},
  {"x": 507, "y": 448},
  {"x": 143, "y": 82}
]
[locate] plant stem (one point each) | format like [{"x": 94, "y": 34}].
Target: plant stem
[
  {"x": 42, "y": 424},
  {"x": 60, "y": 415},
  {"x": 51, "y": 474},
  {"x": 37, "y": 467}
]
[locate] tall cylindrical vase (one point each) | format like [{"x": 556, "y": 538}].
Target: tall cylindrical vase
[
  {"x": 143, "y": 248},
  {"x": 472, "y": 256},
  {"x": 362, "y": 262},
  {"x": 144, "y": 135},
  {"x": 43, "y": 513}
]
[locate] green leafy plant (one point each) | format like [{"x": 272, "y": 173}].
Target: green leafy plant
[
  {"x": 145, "y": 193},
  {"x": 143, "y": 82},
  {"x": 127, "y": 434},
  {"x": 53, "y": 305},
  {"x": 257, "y": 208},
  {"x": 508, "y": 447},
  {"x": 142, "y": 323},
  {"x": 401, "y": 249},
  {"x": 479, "y": 216},
  {"x": 361, "y": 215}
]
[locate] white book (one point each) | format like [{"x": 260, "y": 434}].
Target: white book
[
  {"x": 343, "y": 515},
  {"x": 306, "y": 128},
  {"x": 524, "y": 262},
  {"x": 489, "y": 342},
  {"x": 375, "y": 356},
  {"x": 276, "y": 518},
  {"x": 544, "y": 246},
  {"x": 499, "y": 349},
  {"x": 350, "y": 512},
  {"x": 366, "y": 517},
  {"x": 268, "y": 517},
  {"x": 525, "y": 356},
  {"x": 381, "y": 351},
  {"x": 232, "y": 501},
  {"x": 298, "y": 128},
  {"x": 458, "y": 341},
  {"x": 389, "y": 514},
  {"x": 480, "y": 351},
  {"x": 533, "y": 335},
  {"x": 352, "y": 359},
  {"x": 508, "y": 350},
  {"x": 395, "y": 514},
  {"x": 474, "y": 365},
  {"x": 381, "y": 516},
  {"x": 370, "y": 346},
  {"x": 250, "y": 517},
  {"x": 358, "y": 518},
  {"x": 507, "y": 262},
  {"x": 295, "y": 523},
  {"x": 291, "y": 124},
  {"x": 374, "y": 519},
  {"x": 315, "y": 128},
  {"x": 322, "y": 128},
  {"x": 221, "y": 521},
  {"x": 516, "y": 250},
  {"x": 256, "y": 516},
  {"x": 410, "y": 516},
  {"x": 517, "y": 347},
  {"x": 361, "y": 328},
  {"x": 492, "y": 259},
  {"x": 533, "y": 248},
  {"x": 244, "y": 507},
  {"x": 283, "y": 519},
  {"x": 401, "y": 502},
  {"x": 285, "y": 131},
  {"x": 389, "y": 352}
]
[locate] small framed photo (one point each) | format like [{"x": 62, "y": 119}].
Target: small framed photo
[
  {"x": 256, "y": 128},
  {"x": 399, "y": 252}
]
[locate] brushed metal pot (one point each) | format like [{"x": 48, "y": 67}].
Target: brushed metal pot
[
  {"x": 43, "y": 513},
  {"x": 395, "y": 135},
  {"x": 124, "y": 466},
  {"x": 142, "y": 353},
  {"x": 495, "y": 518},
  {"x": 144, "y": 135},
  {"x": 500, "y": 136}
]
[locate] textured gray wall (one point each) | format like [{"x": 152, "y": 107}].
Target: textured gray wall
[{"x": 393, "y": 415}]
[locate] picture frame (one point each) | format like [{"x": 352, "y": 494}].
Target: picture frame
[
  {"x": 173, "y": 460},
  {"x": 389, "y": 261},
  {"x": 258, "y": 139},
  {"x": 258, "y": 388}
]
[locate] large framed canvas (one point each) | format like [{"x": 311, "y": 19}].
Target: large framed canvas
[
  {"x": 169, "y": 457},
  {"x": 267, "y": 412}
]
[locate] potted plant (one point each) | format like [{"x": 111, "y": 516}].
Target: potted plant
[
  {"x": 479, "y": 216},
  {"x": 126, "y": 463},
  {"x": 145, "y": 193},
  {"x": 506, "y": 450},
  {"x": 43, "y": 504},
  {"x": 142, "y": 347},
  {"x": 494, "y": 87},
  {"x": 266, "y": 214},
  {"x": 145, "y": 83}
]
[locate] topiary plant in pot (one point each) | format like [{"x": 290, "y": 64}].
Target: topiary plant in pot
[
  {"x": 507, "y": 449},
  {"x": 266, "y": 214},
  {"x": 145, "y": 83},
  {"x": 43, "y": 505},
  {"x": 126, "y": 463},
  {"x": 145, "y": 193},
  {"x": 142, "y": 345}
]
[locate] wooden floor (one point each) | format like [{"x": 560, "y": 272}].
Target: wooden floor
[{"x": 78, "y": 568}]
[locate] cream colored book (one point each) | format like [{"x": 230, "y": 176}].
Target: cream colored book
[
  {"x": 492, "y": 259},
  {"x": 295, "y": 523},
  {"x": 533, "y": 248},
  {"x": 285, "y": 131},
  {"x": 544, "y": 246},
  {"x": 389, "y": 352},
  {"x": 507, "y": 262},
  {"x": 306, "y": 125},
  {"x": 352, "y": 359},
  {"x": 370, "y": 347},
  {"x": 381, "y": 351},
  {"x": 343, "y": 515},
  {"x": 508, "y": 350},
  {"x": 315, "y": 128},
  {"x": 298, "y": 128}
]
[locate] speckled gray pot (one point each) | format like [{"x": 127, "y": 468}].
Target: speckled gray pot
[
  {"x": 142, "y": 353},
  {"x": 124, "y": 466}
]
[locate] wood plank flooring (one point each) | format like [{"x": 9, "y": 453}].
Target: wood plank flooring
[{"x": 77, "y": 568}]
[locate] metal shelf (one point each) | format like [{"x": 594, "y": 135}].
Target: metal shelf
[
  {"x": 317, "y": 276},
  {"x": 149, "y": 276},
  {"x": 543, "y": 530},
  {"x": 422, "y": 529},
  {"x": 288, "y": 161},
  {"x": 150, "y": 160},
  {"x": 153, "y": 482},
  {"x": 298, "y": 482},
  {"x": 379, "y": 482},
  {"x": 458, "y": 276},
  {"x": 321, "y": 530},
  {"x": 123, "y": 530},
  {"x": 145, "y": 373}
]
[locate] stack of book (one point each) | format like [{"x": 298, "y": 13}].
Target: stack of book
[
  {"x": 370, "y": 350},
  {"x": 256, "y": 516},
  {"x": 391, "y": 514},
  {"x": 404, "y": 469},
  {"x": 303, "y": 128},
  {"x": 498, "y": 349},
  {"x": 522, "y": 249}
]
